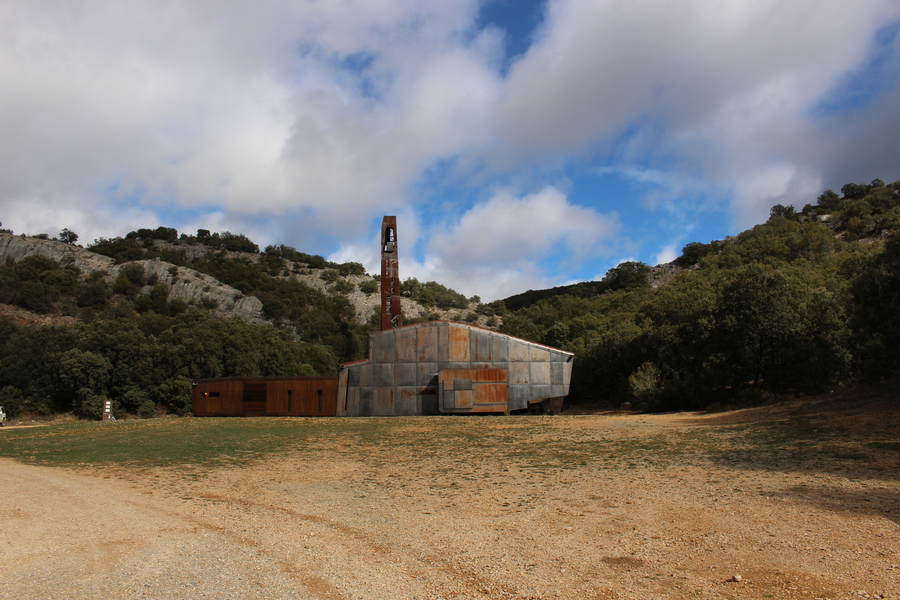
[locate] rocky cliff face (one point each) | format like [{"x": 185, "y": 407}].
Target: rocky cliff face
[{"x": 184, "y": 284}]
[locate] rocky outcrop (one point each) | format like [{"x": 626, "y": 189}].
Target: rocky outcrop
[
  {"x": 201, "y": 290},
  {"x": 21, "y": 316},
  {"x": 184, "y": 284},
  {"x": 18, "y": 247},
  {"x": 663, "y": 274}
]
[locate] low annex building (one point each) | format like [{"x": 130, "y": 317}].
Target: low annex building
[
  {"x": 449, "y": 367},
  {"x": 264, "y": 397}
]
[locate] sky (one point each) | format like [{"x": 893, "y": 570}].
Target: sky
[{"x": 522, "y": 144}]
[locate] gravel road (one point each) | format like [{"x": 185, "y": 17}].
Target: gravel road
[{"x": 343, "y": 521}]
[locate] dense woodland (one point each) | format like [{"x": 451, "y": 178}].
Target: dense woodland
[
  {"x": 803, "y": 302},
  {"x": 808, "y": 300}
]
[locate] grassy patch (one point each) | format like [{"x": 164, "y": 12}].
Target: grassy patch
[
  {"x": 471, "y": 446},
  {"x": 157, "y": 442}
]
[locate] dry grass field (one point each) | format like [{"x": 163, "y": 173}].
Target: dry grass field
[{"x": 799, "y": 500}]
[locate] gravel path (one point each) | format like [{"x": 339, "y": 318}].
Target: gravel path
[{"x": 349, "y": 521}]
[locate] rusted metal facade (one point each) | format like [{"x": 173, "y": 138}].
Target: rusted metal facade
[
  {"x": 265, "y": 396},
  {"x": 448, "y": 367},
  {"x": 390, "y": 276}
]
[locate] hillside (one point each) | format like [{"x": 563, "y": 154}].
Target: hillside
[
  {"x": 806, "y": 301},
  {"x": 187, "y": 307},
  {"x": 799, "y": 304}
]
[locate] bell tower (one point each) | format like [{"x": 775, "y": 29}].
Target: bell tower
[{"x": 390, "y": 276}]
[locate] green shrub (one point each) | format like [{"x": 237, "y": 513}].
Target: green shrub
[
  {"x": 342, "y": 286},
  {"x": 369, "y": 286},
  {"x": 12, "y": 400},
  {"x": 147, "y": 409}
]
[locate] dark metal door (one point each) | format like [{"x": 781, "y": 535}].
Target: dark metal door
[{"x": 254, "y": 399}]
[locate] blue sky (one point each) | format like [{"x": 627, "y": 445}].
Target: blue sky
[{"x": 522, "y": 144}]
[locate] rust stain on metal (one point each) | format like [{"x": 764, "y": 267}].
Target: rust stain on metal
[
  {"x": 459, "y": 344},
  {"x": 472, "y": 391}
]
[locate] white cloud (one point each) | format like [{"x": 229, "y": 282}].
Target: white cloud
[
  {"x": 666, "y": 254},
  {"x": 719, "y": 92},
  {"x": 312, "y": 119},
  {"x": 253, "y": 110},
  {"x": 501, "y": 244}
]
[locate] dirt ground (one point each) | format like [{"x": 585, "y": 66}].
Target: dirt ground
[{"x": 354, "y": 521}]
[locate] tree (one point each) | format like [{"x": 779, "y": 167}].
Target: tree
[
  {"x": 627, "y": 276},
  {"x": 876, "y": 319},
  {"x": 829, "y": 201},
  {"x": 693, "y": 252},
  {"x": 852, "y": 191},
  {"x": 678, "y": 343},
  {"x": 780, "y": 210},
  {"x": 68, "y": 237},
  {"x": 780, "y": 328}
]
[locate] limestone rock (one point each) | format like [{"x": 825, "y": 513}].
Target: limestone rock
[{"x": 185, "y": 284}]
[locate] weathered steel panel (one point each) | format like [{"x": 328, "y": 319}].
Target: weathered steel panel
[
  {"x": 518, "y": 350},
  {"x": 384, "y": 401},
  {"x": 405, "y": 345},
  {"x": 472, "y": 390},
  {"x": 491, "y": 375},
  {"x": 557, "y": 373},
  {"x": 538, "y": 354},
  {"x": 459, "y": 344},
  {"x": 384, "y": 347},
  {"x": 427, "y": 344},
  {"x": 406, "y": 401},
  {"x": 464, "y": 399},
  {"x": 366, "y": 401},
  {"x": 443, "y": 343},
  {"x": 519, "y": 373},
  {"x": 366, "y": 374},
  {"x": 351, "y": 401},
  {"x": 518, "y": 396},
  {"x": 384, "y": 375},
  {"x": 480, "y": 346},
  {"x": 499, "y": 348},
  {"x": 540, "y": 373},
  {"x": 448, "y": 400},
  {"x": 492, "y": 394},
  {"x": 405, "y": 374},
  {"x": 353, "y": 374},
  {"x": 426, "y": 373},
  {"x": 539, "y": 392}
]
